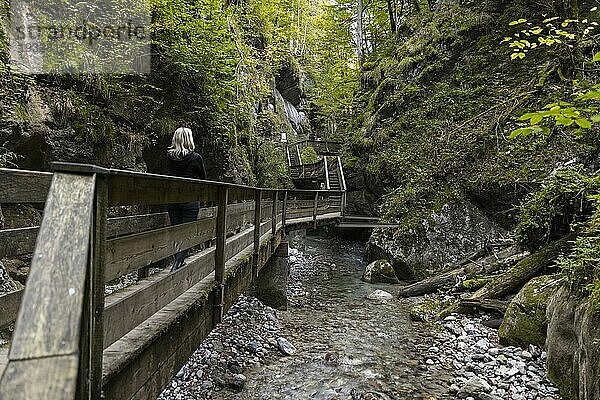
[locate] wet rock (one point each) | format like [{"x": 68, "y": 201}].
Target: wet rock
[
  {"x": 286, "y": 347},
  {"x": 380, "y": 271},
  {"x": 572, "y": 346},
  {"x": 238, "y": 382},
  {"x": 474, "y": 387},
  {"x": 7, "y": 284},
  {"x": 525, "y": 319},
  {"x": 454, "y": 232},
  {"x": 380, "y": 295}
]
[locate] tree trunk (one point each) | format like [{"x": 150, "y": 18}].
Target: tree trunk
[
  {"x": 359, "y": 34},
  {"x": 392, "y": 16},
  {"x": 515, "y": 278},
  {"x": 467, "y": 268}
]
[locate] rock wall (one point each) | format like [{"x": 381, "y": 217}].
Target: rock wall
[
  {"x": 573, "y": 346},
  {"x": 448, "y": 236}
]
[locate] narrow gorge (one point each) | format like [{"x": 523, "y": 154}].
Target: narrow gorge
[{"x": 439, "y": 158}]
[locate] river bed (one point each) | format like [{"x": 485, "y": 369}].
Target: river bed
[{"x": 349, "y": 347}]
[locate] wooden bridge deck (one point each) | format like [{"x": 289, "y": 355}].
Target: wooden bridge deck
[{"x": 70, "y": 340}]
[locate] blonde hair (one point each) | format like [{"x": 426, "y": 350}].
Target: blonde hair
[{"x": 182, "y": 143}]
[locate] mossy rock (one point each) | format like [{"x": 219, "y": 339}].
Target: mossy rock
[
  {"x": 380, "y": 271},
  {"x": 525, "y": 320}
]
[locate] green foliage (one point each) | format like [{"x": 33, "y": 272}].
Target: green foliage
[
  {"x": 563, "y": 198},
  {"x": 581, "y": 111},
  {"x": 309, "y": 155}
]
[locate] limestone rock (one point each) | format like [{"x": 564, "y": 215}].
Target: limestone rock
[
  {"x": 474, "y": 387},
  {"x": 380, "y": 271},
  {"x": 286, "y": 347},
  {"x": 525, "y": 319},
  {"x": 457, "y": 230},
  {"x": 380, "y": 295},
  {"x": 572, "y": 346},
  {"x": 7, "y": 284}
]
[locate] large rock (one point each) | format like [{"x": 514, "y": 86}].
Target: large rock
[
  {"x": 380, "y": 271},
  {"x": 7, "y": 284},
  {"x": 573, "y": 346},
  {"x": 525, "y": 320},
  {"x": 458, "y": 230}
]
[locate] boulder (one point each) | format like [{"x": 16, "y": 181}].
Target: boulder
[
  {"x": 7, "y": 284},
  {"x": 525, "y": 320},
  {"x": 573, "y": 345},
  {"x": 448, "y": 236},
  {"x": 380, "y": 271},
  {"x": 474, "y": 387},
  {"x": 380, "y": 295}
]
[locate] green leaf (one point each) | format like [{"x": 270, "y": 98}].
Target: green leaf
[
  {"x": 596, "y": 57},
  {"x": 583, "y": 123},
  {"x": 521, "y": 132},
  {"x": 550, "y": 20},
  {"x": 520, "y": 21},
  {"x": 596, "y": 118},
  {"x": 536, "y": 119},
  {"x": 564, "y": 121}
]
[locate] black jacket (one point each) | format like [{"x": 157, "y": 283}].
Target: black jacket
[{"x": 190, "y": 166}]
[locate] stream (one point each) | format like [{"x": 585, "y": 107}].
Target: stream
[{"x": 345, "y": 346}]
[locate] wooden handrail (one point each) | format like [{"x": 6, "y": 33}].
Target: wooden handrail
[{"x": 95, "y": 249}]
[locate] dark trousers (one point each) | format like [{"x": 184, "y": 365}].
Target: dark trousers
[{"x": 181, "y": 213}]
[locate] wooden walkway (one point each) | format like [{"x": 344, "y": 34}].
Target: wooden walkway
[{"x": 73, "y": 342}]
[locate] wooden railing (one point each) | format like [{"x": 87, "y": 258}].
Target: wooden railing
[{"x": 70, "y": 340}]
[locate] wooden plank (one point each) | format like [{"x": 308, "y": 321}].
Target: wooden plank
[
  {"x": 142, "y": 363},
  {"x": 220, "y": 250},
  {"x": 20, "y": 186},
  {"x": 257, "y": 219},
  {"x": 128, "y": 308},
  {"x": 131, "y": 306},
  {"x": 274, "y": 212},
  {"x": 129, "y": 188},
  {"x": 49, "y": 321},
  {"x": 93, "y": 377},
  {"x": 16, "y": 242},
  {"x": 129, "y": 225},
  {"x": 40, "y": 379},
  {"x": 128, "y": 253},
  {"x": 9, "y": 307},
  {"x": 122, "y": 226}
]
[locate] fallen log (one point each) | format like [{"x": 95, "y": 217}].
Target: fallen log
[
  {"x": 467, "y": 268},
  {"x": 517, "y": 276},
  {"x": 497, "y": 306}
]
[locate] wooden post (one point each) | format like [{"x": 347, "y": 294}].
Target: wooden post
[
  {"x": 257, "y": 218},
  {"x": 284, "y": 210},
  {"x": 96, "y": 276},
  {"x": 315, "y": 209},
  {"x": 299, "y": 156},
  {"x": 274, "y": 214},
  {"x": 327, "y": 186},
  {"x": 221, "y": 231}
]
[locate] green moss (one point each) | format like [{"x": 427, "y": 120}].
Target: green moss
[
  {"x": 525, "y": 320},
  {"x": 427, "y": 309},
  {"x": 474, "y": 284}
]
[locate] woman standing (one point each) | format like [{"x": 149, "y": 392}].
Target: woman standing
[{"x": 184, "y": 162}]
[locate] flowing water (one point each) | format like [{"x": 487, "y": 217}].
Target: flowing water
[{"x": 348, "y": 347}]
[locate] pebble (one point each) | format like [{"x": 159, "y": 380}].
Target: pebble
[{"x": 248, "y": 335}]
